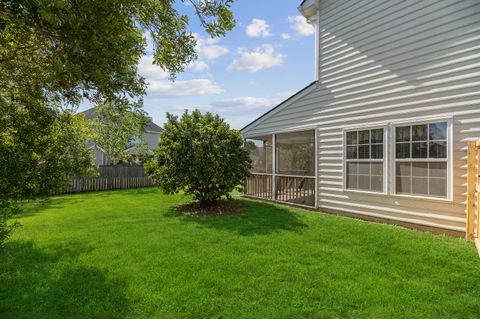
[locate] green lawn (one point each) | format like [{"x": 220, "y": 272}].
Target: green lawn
[{"x": 128, "y": 254}]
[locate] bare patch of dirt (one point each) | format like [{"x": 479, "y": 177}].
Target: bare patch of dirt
[{"x": 219, "y": 208}]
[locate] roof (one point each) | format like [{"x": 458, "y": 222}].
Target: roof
[
  {"x": 151, "y": 127},
  {"x": 278, "y": 106},
  {"x": 308, "y": 8}
]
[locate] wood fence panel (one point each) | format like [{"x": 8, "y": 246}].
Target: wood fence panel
[
  {"x": 471, "y": 190},
  {"x": 473, "y": 194},
  {"x": 110, "y": 177}
]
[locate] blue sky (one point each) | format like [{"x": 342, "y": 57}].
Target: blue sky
[{"x": 265, "y": 59}]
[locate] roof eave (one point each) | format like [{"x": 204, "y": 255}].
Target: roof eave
[
  {"x": 308, "y": 8},
  {"x": 278, "y": 106}
]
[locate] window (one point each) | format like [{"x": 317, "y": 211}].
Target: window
[
  {"x": 364, "y": 160},
  {"x": 421, "y": 159}
]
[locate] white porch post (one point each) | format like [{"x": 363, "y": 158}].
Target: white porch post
[
  {"x": 316, "y": 167},
  {"x": 273, "y": 168}
]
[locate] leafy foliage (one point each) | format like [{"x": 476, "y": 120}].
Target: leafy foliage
[
  {"x": 54, "y": 53},
  {"x": 72, "y": 49},
  {"x": 7, "y": 210},
  {"x": 200, "y": 155},
  {"x": 118, "y": 124},
  {"x": 39, "y": 148}
]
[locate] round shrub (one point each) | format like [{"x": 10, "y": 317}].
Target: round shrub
[{"x": 200, "y": 155}]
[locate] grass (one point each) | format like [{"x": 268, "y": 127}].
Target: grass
[{"x": 127, "y": 254}]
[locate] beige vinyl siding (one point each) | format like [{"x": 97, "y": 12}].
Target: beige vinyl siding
[{"x": 381, "y": 62}]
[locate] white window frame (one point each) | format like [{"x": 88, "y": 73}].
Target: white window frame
[
  {"x": 449, "y": 159},
  {"x": 384, "y": 160}
]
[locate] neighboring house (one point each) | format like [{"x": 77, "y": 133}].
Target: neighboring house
[
  {"x": 151, "y": 137},
  {"x": 382, "y": 133}
]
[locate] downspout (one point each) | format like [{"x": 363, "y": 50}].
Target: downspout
[{"x": 313, "y": 18}]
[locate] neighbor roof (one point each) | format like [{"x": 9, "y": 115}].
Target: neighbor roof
[{"x": 151, "y": 127}]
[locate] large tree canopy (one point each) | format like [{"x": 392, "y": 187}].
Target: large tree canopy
[
  {"x": 72, "y": 49},
  {"x": 38, "y": 148},
  {"x": 55, "y": 53}
]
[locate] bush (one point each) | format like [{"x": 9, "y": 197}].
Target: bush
[
  {"x": 7, "y": 210},
  {"x": 200, "y": 155}
]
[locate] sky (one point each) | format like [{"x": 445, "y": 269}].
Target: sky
[{"x": 267, "y": 58}]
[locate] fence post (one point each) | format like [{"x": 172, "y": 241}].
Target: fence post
[
  {"x": 477, "y": 193},
  {"x": 471, "y": 181}
]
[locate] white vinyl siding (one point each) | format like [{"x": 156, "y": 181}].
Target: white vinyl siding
[{"x": 383, "y": 62}]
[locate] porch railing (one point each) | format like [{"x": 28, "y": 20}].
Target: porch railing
[
  {"x": 473, "y": 194},
  {"x": 295, "y": 189},
  {"x": 259, "y": 185},
  {"x": 291, "y": 189}
]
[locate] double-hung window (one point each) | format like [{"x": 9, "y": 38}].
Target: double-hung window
[
  {"x": 421, "y": 159},
  {"x": 364, "y": 160}
]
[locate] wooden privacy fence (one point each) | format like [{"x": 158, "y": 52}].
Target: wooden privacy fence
[
  {"x": 110, "y": 177},
  {"x": 473, "y": 194}
]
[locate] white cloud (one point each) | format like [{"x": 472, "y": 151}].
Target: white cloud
[
  {"x": 165, "y": 88},
  {"x": 300, "y": 25},
  {"x": 285, "y": 36},
  {"x": 238, "y": 105},
  {"x": 147, "y": 69},
  {"x": 258, "y": 28},
  {"x": 239, "y": 111},
  {"x": 160, "y": 86},
  {"x": 208, "y": 48},
  {"x": 243, "y": 102},
  {"x": 198, "y": 66},
  {"x": 263, "y": 57}
]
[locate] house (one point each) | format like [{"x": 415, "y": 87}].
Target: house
[
  {"x": 151, "y": 136},
  {"x": 382, "y": 132}
]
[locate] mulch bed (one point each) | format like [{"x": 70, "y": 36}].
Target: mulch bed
[{"x": 219, "y": 208}]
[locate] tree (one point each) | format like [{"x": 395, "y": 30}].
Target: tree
[
  {"x": 200, "y": 155},
  {"x": 39, "y": 148},
  {"x": 69, "y": 49},
  {"x": 7, "y": 210},
  {"x": 55, "y": 53},
  {"x": 117, "y": 125},
  {"x": 55, "y": 143}
]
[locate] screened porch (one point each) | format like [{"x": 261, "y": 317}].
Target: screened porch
[{"x": 283, "y": 167}]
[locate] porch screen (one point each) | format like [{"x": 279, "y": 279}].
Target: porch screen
[
  {"x": 295, "y": 167},
  {"x": 295, "y": 153},
  {"x": 260, "y": 153},
  {"x": 260, "y": 183}
]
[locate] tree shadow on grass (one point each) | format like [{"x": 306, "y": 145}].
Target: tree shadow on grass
[
  {"x": 51, "y": 283},
  {"x": 258, "y": 218},
  {"x": 39, "y": 205},
  {"x": 125, "y": 191}
]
